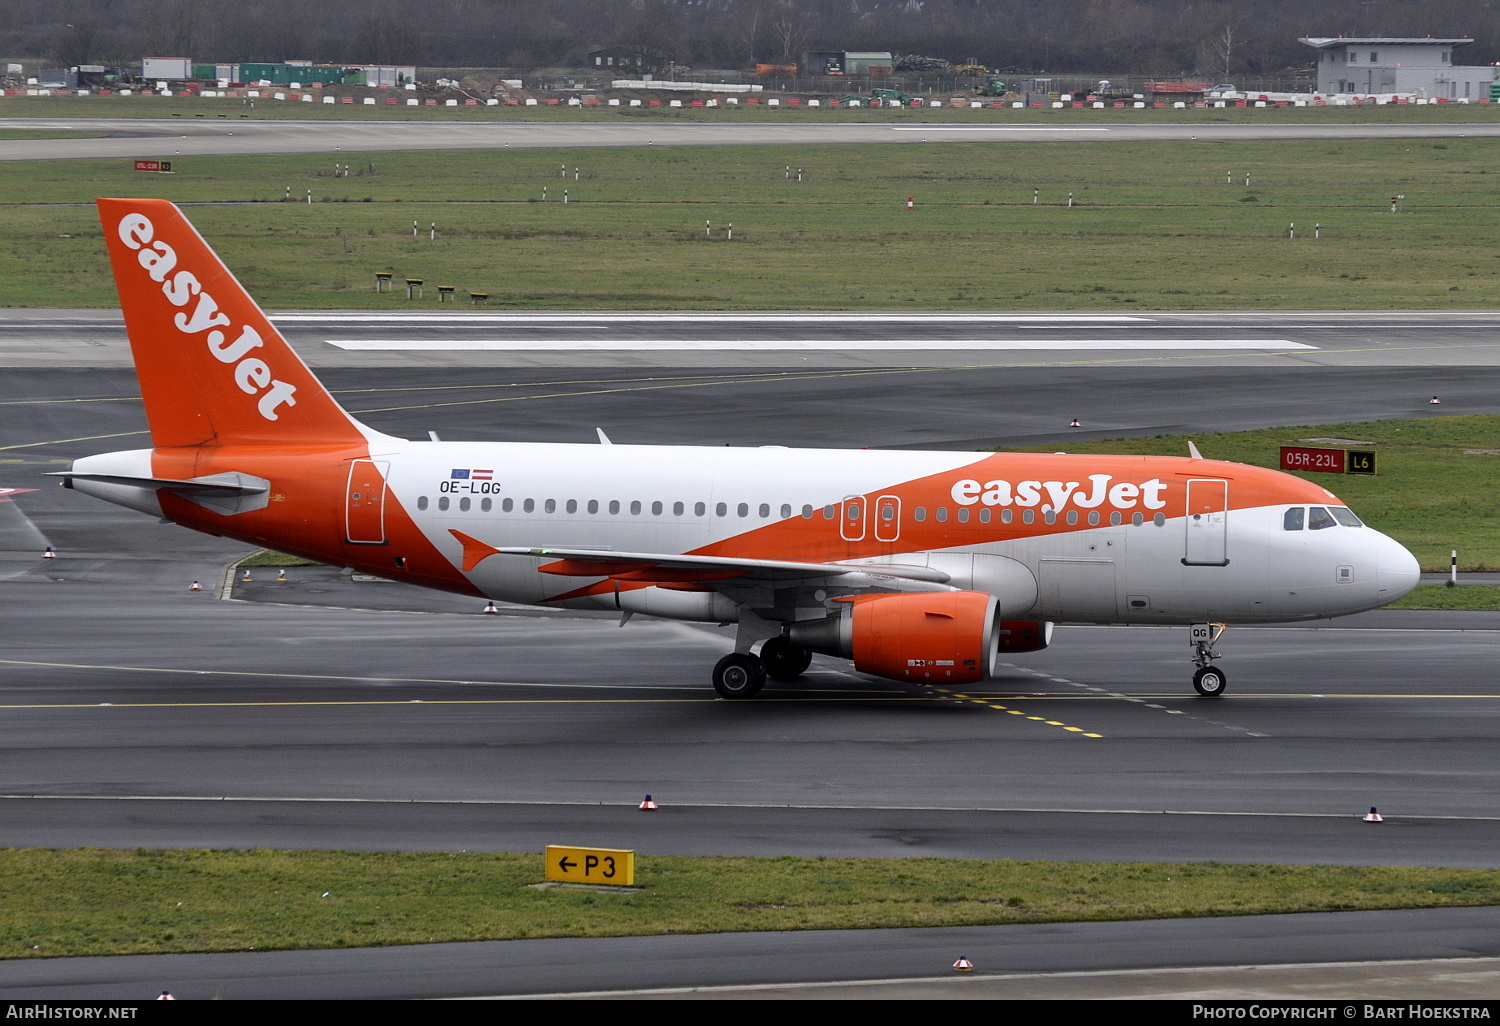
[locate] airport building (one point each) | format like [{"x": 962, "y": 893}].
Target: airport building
[{"x": 1417, "y": 66}]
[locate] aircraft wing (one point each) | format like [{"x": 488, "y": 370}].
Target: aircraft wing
[{"x": 668, "y": 567}]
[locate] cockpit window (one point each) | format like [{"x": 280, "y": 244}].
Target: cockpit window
[
  {"x": 1294, "y": 518},
  {"x": 1345, "y": 516},
  {"x": 1318, "y": 518}
]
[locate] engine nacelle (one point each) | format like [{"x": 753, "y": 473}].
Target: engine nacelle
[{"x": 946, "y": 637}]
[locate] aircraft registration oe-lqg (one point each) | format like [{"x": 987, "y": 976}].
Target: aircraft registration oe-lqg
[{"x": 921, "y": 567}]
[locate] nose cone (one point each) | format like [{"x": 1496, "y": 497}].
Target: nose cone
[{"x": 1397, "y": 572}]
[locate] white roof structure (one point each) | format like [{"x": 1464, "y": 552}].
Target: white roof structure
[{"x": 1323, "y": 42}]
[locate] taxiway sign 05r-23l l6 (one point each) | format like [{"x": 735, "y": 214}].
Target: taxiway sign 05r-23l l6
[{"x": 921, "y": 567}]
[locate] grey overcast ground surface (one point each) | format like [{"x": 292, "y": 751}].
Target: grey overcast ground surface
[
  {"x": 514, "y": 731},
  {"x": 1391, "y": 709}
]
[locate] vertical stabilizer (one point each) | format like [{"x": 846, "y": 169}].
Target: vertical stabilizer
[{"x": 213, "y": 370}]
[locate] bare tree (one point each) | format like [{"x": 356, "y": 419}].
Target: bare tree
[
  {"x": 789, "y": 28},
  {"x": 1225, "y": 44}
]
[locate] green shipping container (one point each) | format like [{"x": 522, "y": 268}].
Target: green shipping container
[{"x": 205, "y": 72}]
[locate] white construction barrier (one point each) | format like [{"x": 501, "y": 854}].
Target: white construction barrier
[{"x": 691, "y": 87}]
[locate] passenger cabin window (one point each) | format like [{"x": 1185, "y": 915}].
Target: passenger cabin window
[
  {"x": 528, "y": 505},
  {"x": 700, "y": 509},
  {"x": 421, "y": 502},
  {"x": 593, "y": 506},
  {"x": 919, "y": 514},
  {"x": 1318, "y": 519},
  {"x": 442, "y": 502},
  {"x": 677, "y": 509},
  {"x": 614, "y": 507},
  {"x": 506, "y": 505},
  {"x": 1294, "y": 518}
]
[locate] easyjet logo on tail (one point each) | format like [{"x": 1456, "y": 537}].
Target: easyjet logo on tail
[{"x": 251, "y": 375}]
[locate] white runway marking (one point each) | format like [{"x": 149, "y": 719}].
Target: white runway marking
[
  {"x": 992, "y": 128},
  {"x": 804, "y": 345},
  {"x": 575, "y": 318}
]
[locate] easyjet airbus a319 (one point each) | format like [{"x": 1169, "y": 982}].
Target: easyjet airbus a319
[{"x": 923, "y": 567}]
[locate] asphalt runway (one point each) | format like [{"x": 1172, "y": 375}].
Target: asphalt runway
[
  {"x": 195, "y": 136},
  {"x": 1340, "y": 955},
  {"x": 331, "y": 712}
]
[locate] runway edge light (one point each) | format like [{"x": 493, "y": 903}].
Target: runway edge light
[
  {"x": 648, "y": 805},
  {"x": 963, "y": 965},
  {"x": 1373, "y": 817}
]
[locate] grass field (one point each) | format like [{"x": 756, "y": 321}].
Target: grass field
[
  {"x": 1440, "y": 596},
  {"x": 93, "y": 901},
  {"x": 1154, "y": 226},
  {"x": 1438, "y": 486}
]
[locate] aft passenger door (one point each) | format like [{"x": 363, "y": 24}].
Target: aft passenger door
[
  {"x": 1207, "y": 523},
  {"x": 364, "y": 507}
]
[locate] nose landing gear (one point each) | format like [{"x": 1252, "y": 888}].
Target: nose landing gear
[{"x": 1209, "y": 681}]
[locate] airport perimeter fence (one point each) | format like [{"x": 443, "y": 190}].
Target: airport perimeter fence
[{"x": 1064, "y": 101}]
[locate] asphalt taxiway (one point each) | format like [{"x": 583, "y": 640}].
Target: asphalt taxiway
[
  {"x": 191, "y": 135},
  {"x": 331, "y": 712}
]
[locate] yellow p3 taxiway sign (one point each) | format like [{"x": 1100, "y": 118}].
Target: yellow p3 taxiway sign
[{"x": 591, "y": 865}]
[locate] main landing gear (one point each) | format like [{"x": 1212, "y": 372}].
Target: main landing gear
[
  {"x": 1209, "y": 681},
  {"x": 742, "y": 675}
]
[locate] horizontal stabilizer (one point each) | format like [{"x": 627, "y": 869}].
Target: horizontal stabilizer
[
  {"x": 213, "y": 484},
  {"x": 227, "y": 493}
]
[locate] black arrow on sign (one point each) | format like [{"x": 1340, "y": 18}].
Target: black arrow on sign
[{"x": 564, "y": 864}]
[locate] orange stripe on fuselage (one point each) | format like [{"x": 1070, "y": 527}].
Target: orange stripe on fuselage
[{"x": 819, "y": 539}]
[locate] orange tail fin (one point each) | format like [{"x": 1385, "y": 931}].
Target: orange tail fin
[{"x": 213, "y": 370}]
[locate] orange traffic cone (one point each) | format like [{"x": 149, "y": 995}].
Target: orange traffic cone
[
  {"x": 963, "y": 965},
  {"x": 648, "y": 805},
  {"x": 1372, "y": 816},
  {"x": 195, "y": 586}
]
